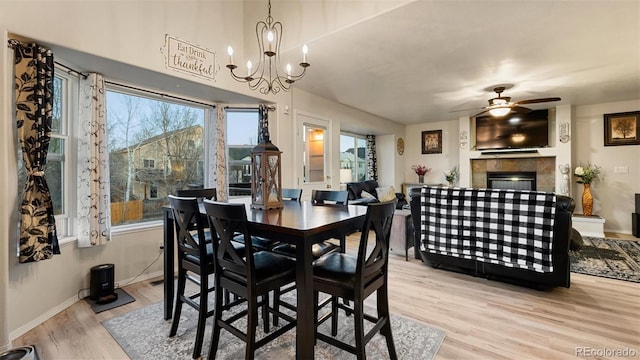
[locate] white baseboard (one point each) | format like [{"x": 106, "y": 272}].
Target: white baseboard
[
  {"x": 60, "y": 307},
  {"x": 42, "y": 318}
]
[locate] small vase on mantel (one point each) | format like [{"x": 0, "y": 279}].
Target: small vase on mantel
[
  {"x": 587, "y": 201},
  {"x": 421, "y": 179},
  {"x": 451, "y": 183}
]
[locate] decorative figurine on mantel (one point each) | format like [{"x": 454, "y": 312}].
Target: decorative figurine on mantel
[
  {"x": 266, "y": 179},
  {"x": 564, "y": 185}
]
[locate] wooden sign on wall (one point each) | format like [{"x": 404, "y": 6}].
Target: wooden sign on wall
[{"x": 188, "y": 58}]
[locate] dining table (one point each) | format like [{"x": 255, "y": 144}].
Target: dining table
[{"x": 298, "y": 223}]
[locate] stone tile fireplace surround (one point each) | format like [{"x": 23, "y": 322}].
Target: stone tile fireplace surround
[{"x": 544, "y": 167}]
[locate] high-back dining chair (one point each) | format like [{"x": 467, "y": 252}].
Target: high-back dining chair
[
  {"x": 208, "y": 193},
  {"x": 195, "y": 257},
  {"x": 318, "y": 198},
  {"x": 251, "y": 275},
  {"x": 355, "y": 278},
  {"x": 292, "y": 194},
  {"x": 325, "y": 197}
]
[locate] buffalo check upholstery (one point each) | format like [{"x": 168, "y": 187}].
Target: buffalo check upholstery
[{"x": 513, "y": 228}]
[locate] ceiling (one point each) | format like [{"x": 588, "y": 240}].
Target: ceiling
[{"x": 423, "y": 60}]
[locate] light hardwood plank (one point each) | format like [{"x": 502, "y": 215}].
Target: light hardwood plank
[{"x": 483, "y": 319}]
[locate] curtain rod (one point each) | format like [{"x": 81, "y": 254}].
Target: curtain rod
[
  {"x": 72, "y": 71},
  {"x": 14, "y": 43},
  {"x": 158, "y": 93}
]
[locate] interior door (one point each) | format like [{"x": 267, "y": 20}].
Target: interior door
[{"x": 313, "y": 153}]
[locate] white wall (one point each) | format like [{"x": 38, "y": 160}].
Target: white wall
[
  {"x": 614, "y": 193},
  {"x": 348, "y": 119},
  {"x": 439, "y": 163}
]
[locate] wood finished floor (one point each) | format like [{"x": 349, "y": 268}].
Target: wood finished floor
[{"x": 483, "y": 319}]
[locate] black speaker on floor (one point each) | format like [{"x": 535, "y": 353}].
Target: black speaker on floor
[
  {"x": 635, "y": 224},
  {"x": 638, "y": 203},
  {"x": 102, "y": 284}
]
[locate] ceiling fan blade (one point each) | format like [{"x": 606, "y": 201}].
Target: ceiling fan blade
[
  {"x": 475, "y": 108},
  {"x": 520, "y": 109},
  {"x": 535, "y": 101},
  {"x": 480, "y": 113}
]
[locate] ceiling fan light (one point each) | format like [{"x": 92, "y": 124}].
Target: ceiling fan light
[
  {"x": 518, "y": 137},
  {"x": 500, "y": 111},
  {"x": 498, "y": 101}
]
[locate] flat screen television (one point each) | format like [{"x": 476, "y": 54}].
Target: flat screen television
[{"x": 513, "y": 131}]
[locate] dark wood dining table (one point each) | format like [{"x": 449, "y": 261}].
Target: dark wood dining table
[{"x": 298, "y": 223}]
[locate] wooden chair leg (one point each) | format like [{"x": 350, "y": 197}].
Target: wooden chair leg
[
  {"x": 217, "y": 316},
  {"x": 178, "y": 307},
  {"x": 334, "y": 316},
  {"x": 358, "y": 320},
  {"x": 383, "y": 311},
  {"x": 265, "y": 313},
  {"x": 252, "y": 324},
  {"x": 202, "y": 316},
  {"x": 276, "y": 307}
]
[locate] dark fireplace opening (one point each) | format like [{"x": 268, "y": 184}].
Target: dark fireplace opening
[{"x": 511, "y": 180}]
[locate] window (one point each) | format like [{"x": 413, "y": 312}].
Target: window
[
  {"x": 353, "y": 158},
  {"x": 314, "y": 151},
  {"x": 57, "y": 170},
  {"x": 148, "y": 163},
  {"x": 155, "y": 148},
  {"x": 242, "y": 137}
]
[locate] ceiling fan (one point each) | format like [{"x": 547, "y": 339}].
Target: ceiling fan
[{"x": 501, "y": 105}]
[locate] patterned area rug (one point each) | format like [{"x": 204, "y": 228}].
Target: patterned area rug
[
  {"x": 616, "y": 259},
  {"x": 144, "y": 334}
]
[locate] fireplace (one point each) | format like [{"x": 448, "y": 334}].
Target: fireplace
[{"x": 522, "y": 180}]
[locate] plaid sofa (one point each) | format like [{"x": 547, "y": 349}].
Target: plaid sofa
[{"x": 510, "y": 235}]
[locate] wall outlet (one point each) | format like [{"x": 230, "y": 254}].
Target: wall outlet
[
  {"x": 620, "y": 169},
  {"x": 161, "y": 245}
]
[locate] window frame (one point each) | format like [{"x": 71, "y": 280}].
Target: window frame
[
  {"x": 356, "y": 137},
  {"x": 208, "y": 122},
  {"x": 245, "y": 166}
]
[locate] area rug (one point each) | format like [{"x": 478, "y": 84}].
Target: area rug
[
  {"x": 616, "y": 259},
  {"x": 144, "y": 334}
]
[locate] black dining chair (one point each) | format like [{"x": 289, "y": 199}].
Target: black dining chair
[
  {"x": 329, "y": 197},
  {"x": 251, "y": 275},
  {"x": 355, "y": 278},
  {"x": 195, "y": 263},
  {"x": 206, "y": 193},
  {"x": 292, "y": 194},
  {"x": 320, "y": 248}
]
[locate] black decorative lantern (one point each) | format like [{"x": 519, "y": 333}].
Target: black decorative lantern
[{"x": 266, "y": 179}]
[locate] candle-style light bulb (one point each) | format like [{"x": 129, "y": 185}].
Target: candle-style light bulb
[
  {"x": 305, "y": 50},
  {"x": 288, "y": 71},
  {"x": 249, "y": 65},
  {"x": 270, "y": 38},
  {"x": 230, "y": 52}
]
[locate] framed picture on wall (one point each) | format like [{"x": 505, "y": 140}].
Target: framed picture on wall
[
  {"x": 432, "y": 142},
  {"x": 622, "y": 128}
]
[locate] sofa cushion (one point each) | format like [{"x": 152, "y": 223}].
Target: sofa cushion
[
  {"x": 367, "y": 195},
  {"x": 386, "y": 193},
  {"x": 370, "y": 186}
]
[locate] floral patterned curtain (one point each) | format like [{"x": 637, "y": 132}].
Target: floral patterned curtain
[
  {"x": 34, "y": 104},
  {"x": 94, "y": 208},
  {"x": 221, "y": 155},
  {"x": 372, "y": 162}
]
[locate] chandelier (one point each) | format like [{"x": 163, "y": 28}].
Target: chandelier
[{"x": 268, "y": 74}]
